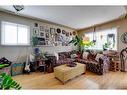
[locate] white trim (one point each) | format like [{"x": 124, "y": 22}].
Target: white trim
[
  {"x": 17, "y": 44},
  {"x": 116, "y": 38}
]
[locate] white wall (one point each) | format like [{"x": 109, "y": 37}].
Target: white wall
[{"x": 18, "y": 53}]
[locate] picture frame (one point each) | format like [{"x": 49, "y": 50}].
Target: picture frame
[
  {"x": 47, "y": 33},
  {"x": 35, "y": 31},
  {"x": 47, "y": 42},
  {"x": 52, "y": 31},
  {"x": 124, "y": 38},
  {"x": 35, "y": 24},
  {"x": 58, "y": 30},
  {"x": 42, "y": 34},
  {"x": 63, "y": 32},
  {"x": 67, "y": 34},
  {"x": 42, "y": 28}
]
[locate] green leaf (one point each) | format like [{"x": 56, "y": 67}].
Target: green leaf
[{"x": 6, "y": 82}]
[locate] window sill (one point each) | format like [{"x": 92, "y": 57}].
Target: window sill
[{"x": 15, "y": 45}]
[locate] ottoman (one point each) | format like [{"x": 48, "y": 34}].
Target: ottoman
[{"x": 65, "y": 73}]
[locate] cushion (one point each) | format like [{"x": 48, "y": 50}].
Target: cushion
[
  {"x": 98, "y": 56},
  {"x": 74, "y": 56},
  {"x": 61, "y": 56},
  {"x": 71, "y": 64},
  {"x": 85, "y": 55},
  {"x": 56, "y": 55}
]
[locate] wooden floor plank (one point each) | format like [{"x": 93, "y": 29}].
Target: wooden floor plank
[{"x": 111, "y": 80}]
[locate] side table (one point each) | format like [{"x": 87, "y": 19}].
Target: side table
[
  {"x": 115, "y": 66},
  {"x": 42, "y": 65}
]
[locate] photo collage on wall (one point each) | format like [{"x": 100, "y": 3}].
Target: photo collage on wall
[{"x": 49, "y": 36}]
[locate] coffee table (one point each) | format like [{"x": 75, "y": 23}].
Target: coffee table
[{"x": 65, "y": 73}]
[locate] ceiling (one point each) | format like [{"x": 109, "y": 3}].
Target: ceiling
[{"x": 77, "y": 17}]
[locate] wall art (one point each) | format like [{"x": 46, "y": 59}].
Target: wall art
[
  {"x": 35, "y": 31},
  {"x": 63, "y": 32},
  {"x": 124, "y": 38},
  {"x": 52, "y": 31},
  {"x": 58, "y": 30},
  {"x": 42, "y": 34},
  {"x": 42, "y": 28},
  {"x": 35, "y": 24}
]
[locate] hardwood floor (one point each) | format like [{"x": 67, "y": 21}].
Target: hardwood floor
[{"x": 111, "y": 80}]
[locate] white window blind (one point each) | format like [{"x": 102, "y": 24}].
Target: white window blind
[
  {"x": 101, "y": 38},
  {"x": 15, "y": 34}
]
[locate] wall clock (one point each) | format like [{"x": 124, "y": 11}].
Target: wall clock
[{"x": 124, "y": 37}]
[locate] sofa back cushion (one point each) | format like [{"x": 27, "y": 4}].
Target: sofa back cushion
[
  {"x": 74, "y": 56},
  {"x": 85, "y": 55},
  {"x": 98, "y": 56},
  {"x": 63, "y": 55},
  {"x": 56, "y": 55}
]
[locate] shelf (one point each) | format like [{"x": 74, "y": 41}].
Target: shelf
[{"x": 45, "y": 46}]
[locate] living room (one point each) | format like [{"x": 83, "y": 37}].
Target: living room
[{"x": 67, "y": 47}]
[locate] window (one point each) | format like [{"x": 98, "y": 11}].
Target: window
[
  {"x": 15, "y": 34},
  {"x": 103, "y": 37}
]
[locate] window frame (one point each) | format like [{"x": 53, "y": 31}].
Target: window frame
[{"x": 2, "y": 42}]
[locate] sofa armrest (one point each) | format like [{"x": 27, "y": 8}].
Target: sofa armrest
[
  {"x": 104, "y": 63},
  {"x": 52, "y": 59},
  {"x": 104, "y": 60}
]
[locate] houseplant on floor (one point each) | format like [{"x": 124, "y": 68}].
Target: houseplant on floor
[
  {"x": 7, "y": 83},
  {"x": 78, "y": 41}
]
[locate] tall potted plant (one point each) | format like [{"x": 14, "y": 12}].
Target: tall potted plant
[{"x": 78, "y": 41}]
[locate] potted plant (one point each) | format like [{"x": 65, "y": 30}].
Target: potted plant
[
  {"x": 6, "y": 82},
  {"x": 106, "y": 46},
  {"x": 78, "y": 41}
]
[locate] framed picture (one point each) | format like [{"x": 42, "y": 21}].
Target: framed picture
[
  {"x": 47, "y": 42},
  {"x": 35, "y": 24},
  {"x": 52, "y": 31},
  {"x": 63, "y": 32},
  {"x": 58, "y": 30},
  {"x": 74, "y": 33},
  {"x": 42, "y": 34},
  {"x": 47, "y": 30},
  {"x": 35, "y": 31},
  {"x": 124, "y": 37},
  {"x": 47, "y": 35},
  {"x": 67, "y": 34},
  {"x": 42, "y": 28}
]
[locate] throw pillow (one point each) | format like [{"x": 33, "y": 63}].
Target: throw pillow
[
  {"x": 98, "y": 56},
  {"x": 56, "y": 55},
  {"x": 73, "y": 56},
  {"x": 71, "y": 64},
  {"x": 85, "y": 54}
]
